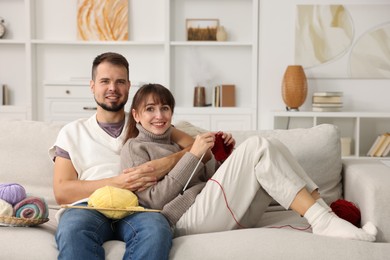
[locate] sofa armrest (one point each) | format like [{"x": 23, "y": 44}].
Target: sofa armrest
[{"x": 366, "y": 183}]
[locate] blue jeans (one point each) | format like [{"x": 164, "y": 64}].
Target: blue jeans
[{"x": 81, "y": 234}]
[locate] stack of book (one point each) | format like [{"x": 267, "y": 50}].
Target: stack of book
[
  {"x": 381, "y": 146},
  {"x": 224, "y": 96},
  {"x": 327, "y": 101}
]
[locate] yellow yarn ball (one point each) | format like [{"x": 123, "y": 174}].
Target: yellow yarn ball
[{"x": 115, "y": 198}]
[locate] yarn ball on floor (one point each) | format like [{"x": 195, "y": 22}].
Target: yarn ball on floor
[
  {"x": 12, "y": 192},
  {"x": 114, "y": 198},
  {"x": 347, "y": 211},
  {"x": 6, "y": 209}
]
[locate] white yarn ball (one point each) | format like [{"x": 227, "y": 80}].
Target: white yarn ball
[{"x": 6, "y": 209}]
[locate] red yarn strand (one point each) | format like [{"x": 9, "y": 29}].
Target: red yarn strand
[
  {"x": 242, "y": 226},
  {"x": 227, "y": 204}
]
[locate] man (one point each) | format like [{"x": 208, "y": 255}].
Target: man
[{"x": 86, "y": 156}]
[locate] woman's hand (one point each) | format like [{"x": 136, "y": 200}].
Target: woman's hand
[
  {"x": 228, "y": 139},
  {"x": 202, "y": 144}
]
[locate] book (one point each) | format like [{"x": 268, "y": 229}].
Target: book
[
  {"x": 216, "y": 96},
  {"x": 328, "y": 93},
  {"x": 224, "y": 96},
  {"x": 228, "y": 95},
  {"x": 327, "y": 99},
  {"x": 327, "y": 105},
  {"x": 1, "y": 95},
  {"x": 373, "y": 146},
  {"x": 387, "y": 150},
  {"x": 383, "y": 145},
  {"x": 326, "y": 109},
  {"x": 5, "y": 93},
  {"x": 377, "y": 144}
]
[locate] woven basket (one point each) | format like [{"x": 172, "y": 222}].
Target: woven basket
[
  {"x": 294, "y": 87},
  {"x": 21, "y": 222}
]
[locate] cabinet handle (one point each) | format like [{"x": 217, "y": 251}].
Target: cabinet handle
[
  {"x": 90, "y": 108},
  {"x": 67, "y": 91}
]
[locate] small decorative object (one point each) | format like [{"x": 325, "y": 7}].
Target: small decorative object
[
  {"x": 294, "y": 87},
  {"x": 221, "y": 34},
  {"x": 202, "y": 29},
  {"x": 199, "y": 97},
  {"x": 2, "y": 28},
  {"x": 102, "y": 20},
  {"x": 5, "y": 95},
  {"x": 347, "y": 211}
]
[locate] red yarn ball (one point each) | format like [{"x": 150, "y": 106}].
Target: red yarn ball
[
  {"x": 347, "y": 211},
  {"x": 221, "y": 150}
]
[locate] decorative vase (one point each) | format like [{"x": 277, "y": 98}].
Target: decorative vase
[
  {"x": 199, "y": 96},
  {"x": 294, "y": 87},
  {"x": 221, "y": 34}
]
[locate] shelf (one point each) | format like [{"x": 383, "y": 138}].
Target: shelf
[
  {"x": 99, "y": 43},
  {"x": 157, "y": 51},
  {"x": 332, "y": 114},
  {"x": 361, "y": 127},
  {"x": 5, "y": 41},
  {"x": 210, "y": 43},
  {"x": 213, "y": 110}
]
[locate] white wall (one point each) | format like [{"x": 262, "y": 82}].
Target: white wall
[{"x": 276, "y": 51}]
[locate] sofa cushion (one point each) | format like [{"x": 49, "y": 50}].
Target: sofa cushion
[
  {"x": 24, "y": 156},
  {"x": 317, "y": 149}
]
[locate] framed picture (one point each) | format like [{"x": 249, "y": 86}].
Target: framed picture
[{"x": 202, "y": 29}]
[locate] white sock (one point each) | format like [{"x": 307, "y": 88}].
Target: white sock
[
  {"x": 328, "y": 224},
  {"x": 322, "y": 202}
]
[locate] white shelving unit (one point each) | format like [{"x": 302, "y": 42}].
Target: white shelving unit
[
  {"x": 361, "y": 127},
  {"x": 42, "y": 44}
]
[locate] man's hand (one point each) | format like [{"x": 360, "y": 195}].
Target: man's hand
[
  {"x": 138, "y": 178},
  {"x": 145, "y": 175}
]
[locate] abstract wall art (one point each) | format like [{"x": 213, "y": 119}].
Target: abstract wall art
[
  {"x": 343, "y": 41},
  {"x": 102, "y": 20}
]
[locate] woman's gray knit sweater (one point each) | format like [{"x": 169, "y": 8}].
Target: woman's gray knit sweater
[{"x": 165, "y": 195}]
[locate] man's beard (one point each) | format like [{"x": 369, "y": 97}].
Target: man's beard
[{"x": 112, "y": 108}]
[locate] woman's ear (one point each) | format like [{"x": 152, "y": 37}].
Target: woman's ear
[{"x": 135, "y": 115}]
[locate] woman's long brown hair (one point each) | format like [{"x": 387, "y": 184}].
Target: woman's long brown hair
[{"x": 161, "y": 95}]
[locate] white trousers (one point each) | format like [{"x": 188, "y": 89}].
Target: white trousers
[{"x": 258, "y": 171}]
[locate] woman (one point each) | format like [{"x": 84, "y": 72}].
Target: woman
[{"x": 258, "y": 171}]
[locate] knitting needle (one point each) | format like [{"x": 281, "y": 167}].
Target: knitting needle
[
  {"x": 192, "y": 174},
  {"x": 113, "y": 209}
]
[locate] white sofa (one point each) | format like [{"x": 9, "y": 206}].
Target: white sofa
[{"x": 24, "y": 160}]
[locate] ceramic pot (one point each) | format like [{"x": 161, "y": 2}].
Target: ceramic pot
[{"x": 221, "y": 34}]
